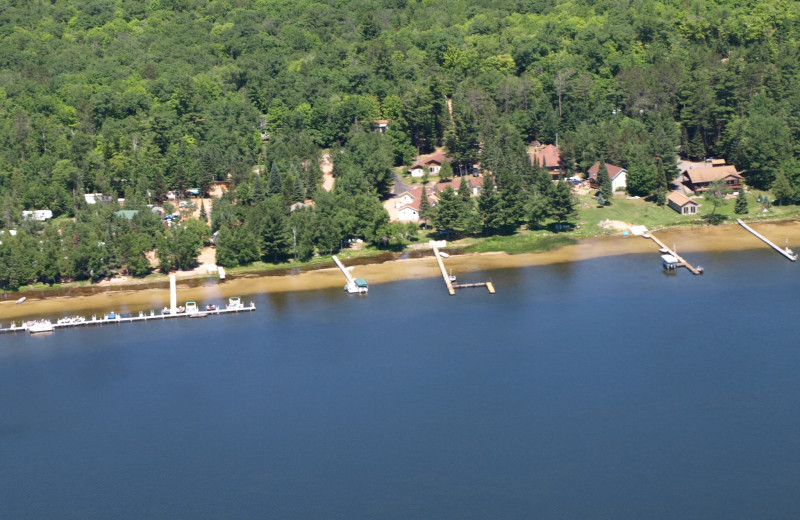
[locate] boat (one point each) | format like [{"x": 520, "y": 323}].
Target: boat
[
  {"x": 645, "y": 235},
  {"x": 112, "y": 316},
  {"x": 234, "y": 302},
  {"x": 221, "y": 271},
  {"x": 211, "y": 307},
  {"x": 191, "y": 307},
  {"x": 40, "y": 326},
  {"x": 198, "y": 315},
  {"x": 452, "y": 277},
  {"x": 669, "y": 261},
  {"x": 21, "y": 300},
  {"x": 443, "y": 254}
]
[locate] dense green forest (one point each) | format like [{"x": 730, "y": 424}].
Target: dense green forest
[{"x": 136, "y": 98}]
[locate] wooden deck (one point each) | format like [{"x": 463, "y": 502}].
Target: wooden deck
[
  {"x": 680, "y": 259},
  {"x": 446, "y": 278},
  {"x": 788, "y": 253}
]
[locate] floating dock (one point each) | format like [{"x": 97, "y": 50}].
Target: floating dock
[
  {"x": 679, "y": 260},
  {"x": 116, "y": 319},
  {"x": 788, "y": 253}
]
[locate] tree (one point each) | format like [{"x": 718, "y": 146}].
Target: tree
[
  {"x": 424, "y": 205},
  {"x": 489, "y": 206},
  {"x": 604, "y": 182},
  {"x": 465, "y": 190},
  {"x": 225, "y": 248},
  {"x": 446, "y": 171},
  {"x": 275, "y": 180},
  {"x": 448, "y": 211},
  {"x": 715, "y": 195},
  {"x": 741, "y": 203},
  {"x": 275, "y": 235},
  {"x": 782, "y": 188},
  {"x": 563, "y": 206}
]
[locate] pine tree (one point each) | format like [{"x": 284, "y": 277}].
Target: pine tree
[
  {"x": 782, "y": 188},
  {"x": 662, "y": 183},
  {"x": 258, "y": 190},
  {"x": 448, "y": 211},
  {"x": 562, "y": 202},
  {"x": 604, "y": 181},
  {"x": 489, "y": 205},
  {"x": 275, "y": 180},
  {"x": 446, "y": 171},
  {"x": 464, "y": 189},
  {"x": 275, "y": 237},
  {"x": 424, "y": 206},
  {"x": 224, "y": 248},
  {"x": 741, "y": 203},
  {"x": 203, "y": 214}
]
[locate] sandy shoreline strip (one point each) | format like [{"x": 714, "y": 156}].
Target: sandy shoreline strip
[{"x": 687, "y": 240}]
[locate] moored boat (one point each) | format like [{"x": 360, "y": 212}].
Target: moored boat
[
  {"x": 21, "y": 300},
  {"x": 40, "y": 326}
]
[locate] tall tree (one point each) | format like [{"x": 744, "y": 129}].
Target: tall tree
[{"x": 604, "y": 182}]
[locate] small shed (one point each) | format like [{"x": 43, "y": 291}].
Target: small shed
[
  {"x": 682, "y": 204},
  {"x": 669, "y": 261}
]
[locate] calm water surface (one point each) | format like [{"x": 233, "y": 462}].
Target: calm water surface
[{"x": 600, "y": 389}]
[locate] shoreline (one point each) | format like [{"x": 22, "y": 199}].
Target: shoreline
[{"x": 381, "y": 269}]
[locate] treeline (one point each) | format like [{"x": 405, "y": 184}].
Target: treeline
[{"x": 137, "y": 98}]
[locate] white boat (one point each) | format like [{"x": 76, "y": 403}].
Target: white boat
[
  {"x": 221, "y": 271},
  {"x": 21, "y": 300},
  {"x": 198, "y": 315},
  {"x": 191, "y": 307},
  {"x": 645, "y": 235},
  {"x": 443, "y": 254},
  {"x": 357, "y": 286},
  {"x": 452, "y": 277},
  {"x": 234, "y": 302},
  {"x": 40, "y": 326}
]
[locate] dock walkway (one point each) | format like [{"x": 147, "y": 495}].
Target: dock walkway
[
  {"x": 788, "y": 253},
  {"x": 680, "y": 259},
  {"x": 132, "y": 319},
  {"x": 446, "y": 278}
]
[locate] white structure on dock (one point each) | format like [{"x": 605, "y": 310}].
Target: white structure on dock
[{"x": 354, "y": 285}]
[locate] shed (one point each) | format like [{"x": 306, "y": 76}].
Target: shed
[{"x": 682, "y": 204}]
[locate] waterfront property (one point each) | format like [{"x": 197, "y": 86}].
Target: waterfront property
[
  {"x": 547, "y": 157},
  {"x": 618, "y": 175},
  {"x": 698, "y": 179}
]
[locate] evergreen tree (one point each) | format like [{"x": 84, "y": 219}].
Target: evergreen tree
[
  {"x": 203, "y": 214},
  {"x": 275, "y": 180},
  {"x": 258, "y": 189},
  {"x": 464, "y": 190},
  {"x": 741, "y": 203},
  {"x": 662, "y": 183},
  {"x": 224, "y": 248},
  {"x": 781, "y": 188},
  {"x": 562, "y": 203},
  {"x": 424, "y": 205},
  {"x": 489, "y": 206},
  {"x": 604, "y": 183},
  {"x": 275, "y": 235},
  {"x": 448, "y": 211}
]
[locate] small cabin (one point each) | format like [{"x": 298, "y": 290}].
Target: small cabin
[{"x": 682, "y": 204}]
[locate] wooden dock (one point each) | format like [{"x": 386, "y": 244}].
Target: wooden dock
[
  {"x": 488, "y": 285},
  {"x": 141, "y": 317},
  {"x": 788, "y": 253},
  {"x": 446, "y": 278},
  {"x": 680, "y": 259}
]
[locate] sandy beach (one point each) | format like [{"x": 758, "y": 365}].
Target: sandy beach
[{"x": 687, "y": 240}]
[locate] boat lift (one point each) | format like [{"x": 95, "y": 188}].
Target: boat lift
[{"x": 354, "y": 285}]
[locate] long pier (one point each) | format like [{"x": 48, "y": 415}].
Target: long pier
[
  {"x": 680, "y": 259},
  {"x": 788, "y": 253},
  {"x": 446, "y": 278},
  {"x": 141, "y": 317}
]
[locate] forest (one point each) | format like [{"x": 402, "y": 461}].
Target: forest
[{"x": 135, "y": 99}]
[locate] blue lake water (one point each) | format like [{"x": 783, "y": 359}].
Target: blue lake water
[{"x": 597, "y": 389}]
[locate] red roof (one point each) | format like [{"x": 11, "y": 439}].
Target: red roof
[
  {"x": 613, "y": 171},
  {"x": 549, "y": 157},
  {"x": 417, "y": 194},
  {"x": 438, "y": 157}
]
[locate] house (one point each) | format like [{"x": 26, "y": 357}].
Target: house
[
  {"x": 433, "y": 162},
  {"x": 380, "y": 125},
  {"x": 94, "y": 198},
  {"x": 618, "y": 175},
  {"x": 38, "y": 214},
  {"x": 547, "y": 157},
  {"x": 682, "y": 204},
  {"x": 475, "y": 185},
  {"x": 408, "y": 204},
  {"x": 218, "y": 188},
  {"x": 698, "y": 179}
]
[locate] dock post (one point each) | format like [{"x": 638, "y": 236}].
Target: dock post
[{"x": 173, "y": 295}]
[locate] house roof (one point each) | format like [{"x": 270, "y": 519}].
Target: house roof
[
  {"x": 613, "y": 171},
  {"x": 549, "y": 156},
  {"x": 438, "y": 157},
  {"x": 711, "y": 174},
  {"x": 416, "y": 194},
  {"x": 680, "y": 199},
  {"x": 127, "y": 213}
]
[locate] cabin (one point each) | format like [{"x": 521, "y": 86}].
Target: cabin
[
  {"x": 37, "y": 214},
  {"x": 94, "y": 198},
  {"x": 380, "y": 125},
  {"x": 433, "y": 163},
  {"x": 618, "y": 175},
  {"x": 698, "y": 179},
  {"x": 218, "y": 188},
  {"x": 682, "y": 204},
  {"x": 547, "y": 157},
  {"x": 475, "y": 185}
]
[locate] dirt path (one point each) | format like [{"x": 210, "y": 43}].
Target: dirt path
[{"x": 327, "y": 172}]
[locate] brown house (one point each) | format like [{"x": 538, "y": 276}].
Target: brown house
[
  {"x": 547, "y": 157},
  {"x": 698, "y": 179},
  {"x": 682, "y": 204}
]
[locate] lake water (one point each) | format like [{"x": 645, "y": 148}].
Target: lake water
[{"x": 597, "y": 389}]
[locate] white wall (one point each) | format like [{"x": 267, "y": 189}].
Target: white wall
[{"x": 408, "y": 214}]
